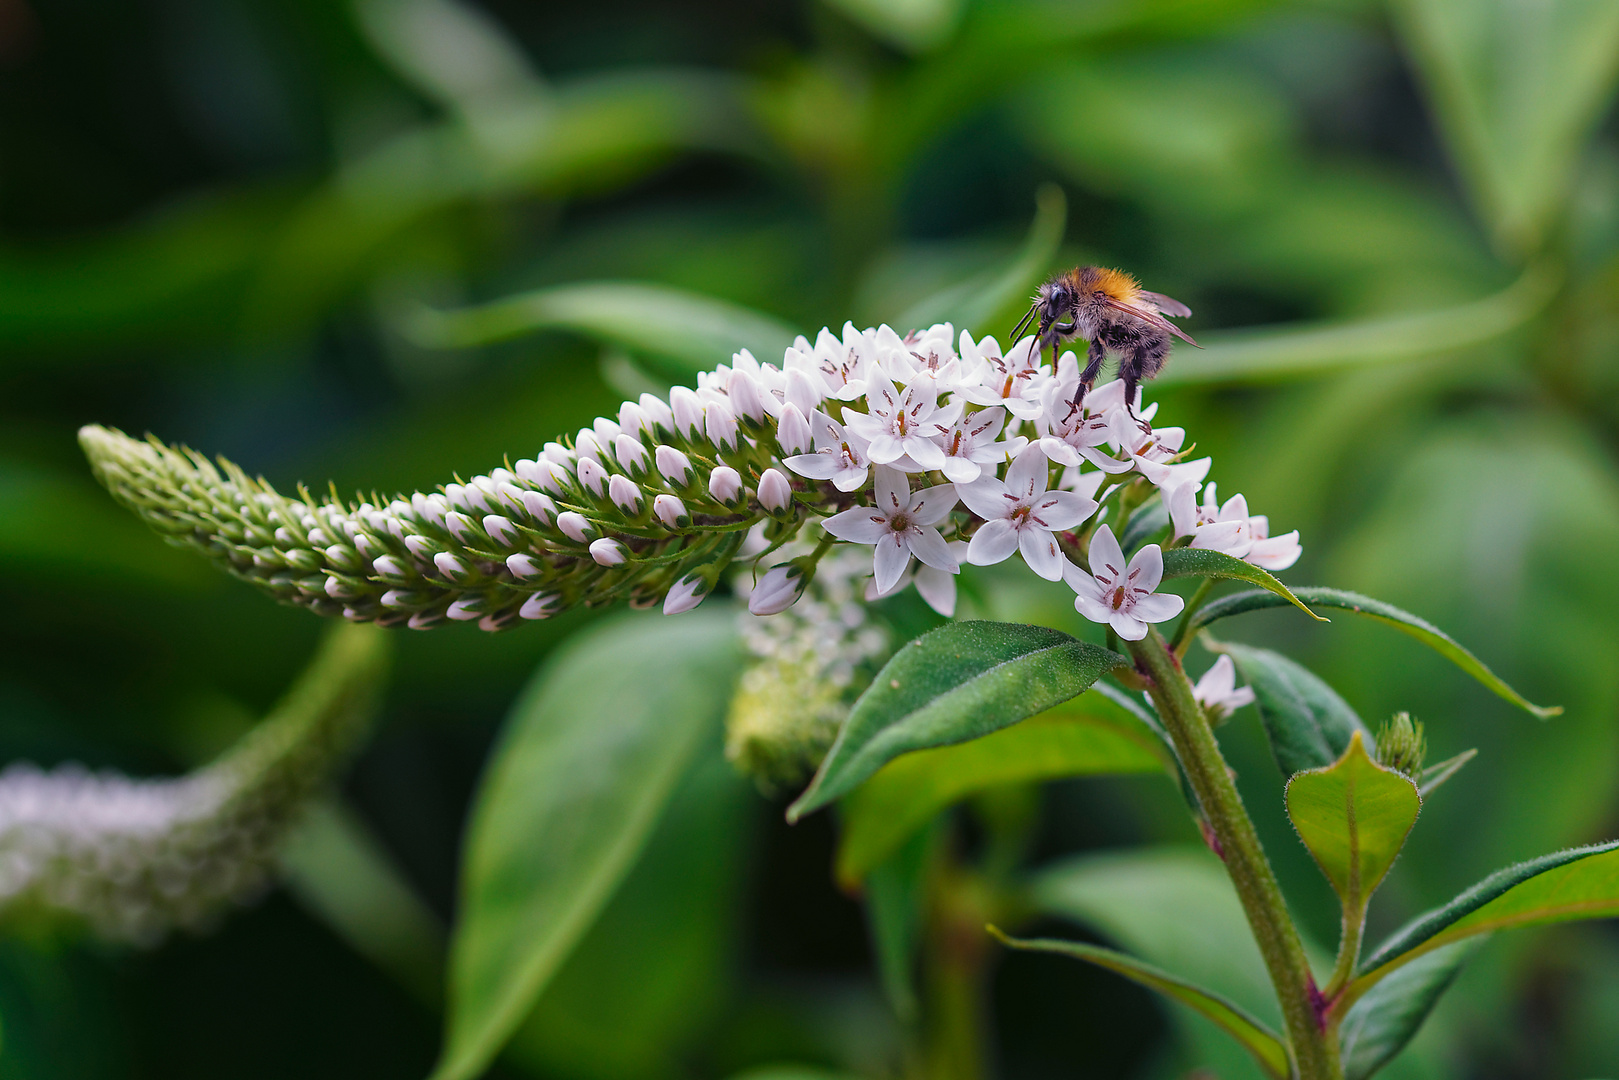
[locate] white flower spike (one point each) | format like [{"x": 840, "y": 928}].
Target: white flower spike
[
  {"x": 1022, "y": 515},
  {"x": 899, "y": 525},
  {"x": 1119, "y": 595}
]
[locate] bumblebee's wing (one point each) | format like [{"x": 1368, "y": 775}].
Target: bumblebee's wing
[
  {"x": 1167, "y": 304},
  {"x": 1151, "y": 318}
]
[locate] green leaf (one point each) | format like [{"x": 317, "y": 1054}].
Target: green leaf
[
  {"x": 1582, "y": 883},
  {"x": 973, "y": 304},
  {"x": 1202, "y": 562},
  {"x": 589, "y": 758},
  {"x": 956, "y": 683},
  {"x": 895, "y": 900},
  {"x": 1142, "y": 524},
  {"x": 693, "y": 332},
  {"x": 911, "y": 25},
  {"x": 1382, "y": 1022},
  {"x": 790, "y": 1071},
  {"x": 1308, "y": 724},
  {"x": 1437, "y": 774},
  {"x": 1518, "y": 89},
  {"x": 1354, "y": 816},
  {"x": 1404, "y": 621},
  {"x": 1270, "y": 353},
  {"x": 1088, "y": 736},
  {"x": 1257, "y": 1039}
]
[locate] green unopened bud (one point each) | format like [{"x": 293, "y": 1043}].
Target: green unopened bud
[
  {"x": 783, "y": 718},
  {"x": 1402, "y": 746}
]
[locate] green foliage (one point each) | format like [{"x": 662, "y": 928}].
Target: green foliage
[
  {"x": 1258, "y": 1040},
  {"x": 1380, "y": 1024},
  {"x": 953, "y": 684},
  {"x": 1354, "y": 816},
  {"x": 1217, "y": 565},
  {"x": 1309, "y": 725},
  {"x": 590, "y": 757}
]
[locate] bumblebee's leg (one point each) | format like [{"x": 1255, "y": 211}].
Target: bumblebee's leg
[
  {"x": 1130, "y": 372},
  {"x": 1054, "y": 337},
  {"x": 1094, "y": 357}
]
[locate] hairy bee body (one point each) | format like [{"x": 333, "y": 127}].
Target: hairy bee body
[{"x": 1114, "y": 314}]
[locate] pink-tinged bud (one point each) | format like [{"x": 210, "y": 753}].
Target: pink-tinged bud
[
  {"x": 521, "y": 565},
  {"x": 484, "y": 492},
  {"x": 449, "y": 565},
  {"x": 746, "y": 398},
  {"x": 457, "y": 494},
  {"x": 675, "y": 466},
  {"x": 466, "y": 609},
  {"x": 511, "y": 496},
  {"x": 528, "y": 469},
  {"x": 424, "y": 620},
  {"x": 337, "y": 590},
  {"x": 686, "y": 411},
  {"x": 671, "y": 511},
  {"x": 344, "y": 558},
  {"x": 365, "y": 546},
  {"x": 553, "y": 477},
  {"x": 318, "y": 537},
  {"x": 630, "y": 453},
  {"x": 778, "y": 590},
  {"x": 606, "y": 431},
  {"x": 540, "y": 606},
  {"x": 592, "y": 475},
  {"x": 387, "y": 566},
  {"x": 396, "y": 599},
  {"x": 775, "y": 493},
  {"x": 495, "y": 622},
  {"x": 725, "y": 484},
  {"x": 657, "y": 411},
  {"x": 586, "y": 446},
  {"x": 687, "y": 593},
  {"x": 558, "y": 454},
  {"x": 458, "y": 524},
  {"x": 803, "y": 391},
  {"x": 624, "y": 492},
  {"x": 720, "y": 424},
  {"x": 501, "y": 475},
  {"x": 632, "y": 421},
  {"x": 421, "y": 546},
  {"x": 608, "y": 552},
  {"x": 575, "y": 526},
  {"x": 539, "y": 507},
  {"x": 500, "y": 529},
  {"x": 793, "y": 431}
]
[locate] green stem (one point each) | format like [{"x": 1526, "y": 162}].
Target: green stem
[
  {"x": 955, "y": 969},
  {"x": 1183, "y": 629},
  {"x": 1315, "y": 1052},
  {"x": 1348, "y": 950}
]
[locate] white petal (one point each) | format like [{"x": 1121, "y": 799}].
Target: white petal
[
  {"x": 859, "y": 525},
  {"x": 815, "y": 466},
  {"x": 892, "y": 491},
  {"x": 932, "y": 505},
  {"x": 986, "y": 497},
  {"x": 994, "y": 542},
  {"x": 1092, "y": 608},
  {"x": 960, "y": 470},
  {"x": 1040, "y": 551},
  {"x": 1107, "y": 559},
  {"x": 1147, "y": 568},
  {"x": 1059, "y": 451},
  {"x": 924, "y": 451},
  {"x": 1058, "y": 510},
  {"x": 1158, "y": 607},
  {"x": 928, "y": 546},
  {"x": 938, "y": 588},
  {"x": 1127, "y": 628},
  {"x": 885, "y": 449},
  {"x": 852, "y": 478},
  {"x": 1181, "y": 501},
  {"x": 892, "y": 557},
  {"x": 1027, "y": 476},
  {"x": 1277, "y": 553}
]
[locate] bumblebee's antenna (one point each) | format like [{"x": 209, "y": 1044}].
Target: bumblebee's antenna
[{"x": 1023, "y": 322}]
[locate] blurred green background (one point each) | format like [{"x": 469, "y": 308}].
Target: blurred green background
[{"x": 219, "y": 220}]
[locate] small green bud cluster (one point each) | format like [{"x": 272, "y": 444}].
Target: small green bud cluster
[
  {"x": 133, "y": 859},
  {"x": 1402, "y": 745},
  {"x": 644, "y": 508}
]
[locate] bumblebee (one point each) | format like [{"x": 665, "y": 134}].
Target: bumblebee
[{"x": 1111, "y": 311}]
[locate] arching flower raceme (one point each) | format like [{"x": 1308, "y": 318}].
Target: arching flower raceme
[
  {"x": 1119, "y": 594},
  {"x": 1021, "y": 515},
  {"x": 899, "y": 525}
]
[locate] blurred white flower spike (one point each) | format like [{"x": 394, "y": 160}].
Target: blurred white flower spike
[{"x": 928, "y": 445}]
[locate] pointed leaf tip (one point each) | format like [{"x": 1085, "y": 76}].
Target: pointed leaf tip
[{"x": 1203, "y": 562}]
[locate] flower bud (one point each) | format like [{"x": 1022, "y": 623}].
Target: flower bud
[
  {"x": 522, "y": 565},
  {"x": 466, "y": 609},
  {"x": 778, "y": 590},
  {"x": 803, "y": 391},
  {"x": 630, "y": 453},
  {"x": 657, "y": 413},
  {"x": 632, "y": 422},
  {"x": 720, "y": 424},
  {"x": 421, "y": 546},
  {"x": 675, "y": 466},
  {"x": 528, "y": 469},
  {"x": 607, "y": 433},
  {"x": 575, "y": 526},
  {"x": 686, "y": 411},
  {"x": 687, "y": 593},
  {"x": 500, "y": 529},
  {"x": 608, "y": 552},
  {"x": 450, "y": 566},
  {"x": 671, "y": 511},
  {"x": 775, "y": 493},
  {"x": 424, "y": 620},
  {"x": 746, "y": 399},
  {"x": 793, "y": 430},
  {"x": 586, "y": 446},
  {"x": 539, "y": 507},
  {"x": 337, "y": 590},
  {"x": 342, "y": 556},
  {"x": 725, "y": 484},
  {"x": 387, "y": 566},
  {"x": 624, "y": 493},
  {"x": 592, "y": 475},
  {"x": 539, "y": 606},
  {"x": 458, "y": 524}
]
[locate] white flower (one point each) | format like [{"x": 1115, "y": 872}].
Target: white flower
[
  {"x": 842, "y": 365},
  {"x": 1118, "y": 595},
  {"x": 937, "y": 587},
  {"x": 1068, "y": 435},
  {"x": 687, "y": 593},
  {"x": 1272, "y": 552},
  {"x": 1152, "y": 453},
  {"x": 1210, "y": 525},
  {"x": 900, "y": 525},
  {"x": 1021, "y": 515},
  {"x": 969, "y": 444},
  {"x": 897, "y": 423},
  {"x": 1217, "y": 691},
  {"x": 840, "y": 456},
  {"x": 1016, "y": 380},
  {"x": 778, "y": 590}
]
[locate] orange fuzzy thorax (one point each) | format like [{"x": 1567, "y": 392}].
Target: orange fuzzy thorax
[{"x": 1085, "y": 280}]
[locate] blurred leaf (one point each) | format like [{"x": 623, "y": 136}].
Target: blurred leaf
[
  {"x": 1437, "y": 774},
  {"x": 1582, "y": 883},
  {"x": 643, "y": 985},
  {"x": 1257, "y": 1039},
  {"x": 972, "y": 304},
  {"x": 690, "y": 333},
  {"x": 1150, "y": 519},
  {"x": 792, "y": 1072},
  {"x": 896, "y": 898},
  {"x": 1087, "y": 736},
  {"x": 1263, "y": 355},
  {"x": 1419, "y": 628},
  {"x": 959, "y": 682},
  {"x": 341, "y": 873},
  {"x": 1354, "y": 816},
  {"x": 1207, "y": 563},
  {"x": 1382, "y": 1022},
  {"x": 911, "y": 25},
  {"x": 590, "y": 757},
  {"x": 1518, "y": 88},
  {"x": 1308, "y": 724},
  {"x": 454, "y": 53}
]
